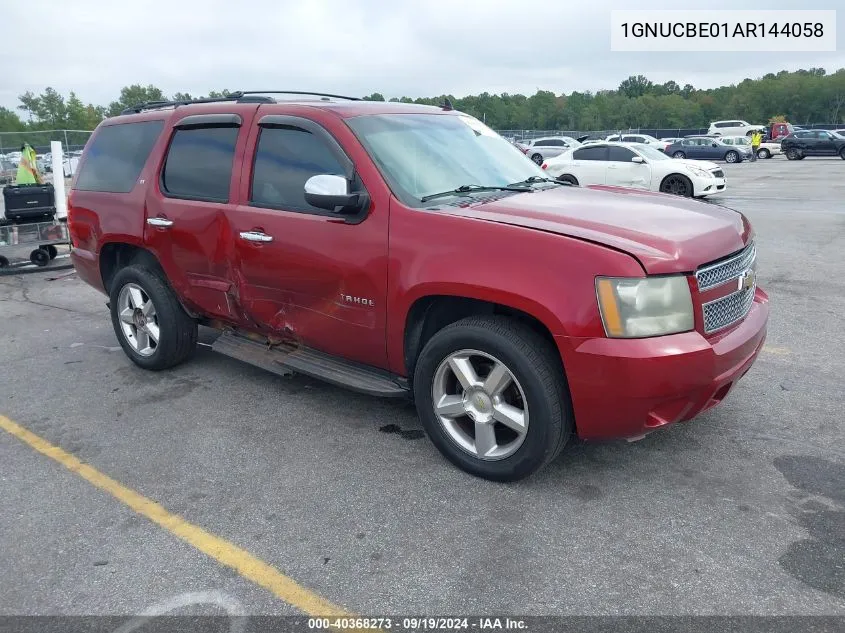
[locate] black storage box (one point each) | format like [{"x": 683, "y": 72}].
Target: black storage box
[{"x": 30, "y": 203}]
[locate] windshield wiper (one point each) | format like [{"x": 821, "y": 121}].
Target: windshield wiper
[
  {"x": 532, "y": 179},
  {"x": 471, "y": 189}
]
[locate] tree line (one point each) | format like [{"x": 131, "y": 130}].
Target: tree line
[{"x": 801, "y": 97}]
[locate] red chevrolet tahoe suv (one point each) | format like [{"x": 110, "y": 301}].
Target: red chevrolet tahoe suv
[{"x": 405, "y": 250}]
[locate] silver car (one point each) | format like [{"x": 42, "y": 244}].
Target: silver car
[{"x": 539, "y": 149}]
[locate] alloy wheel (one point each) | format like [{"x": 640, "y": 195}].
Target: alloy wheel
[
  {"x": 675, "y": 185},
  {"x": 138, "y": 319},
  {"x": 480, "y": 404}
]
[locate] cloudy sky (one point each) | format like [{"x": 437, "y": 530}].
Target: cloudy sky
[{"x": 396, "y": 47}]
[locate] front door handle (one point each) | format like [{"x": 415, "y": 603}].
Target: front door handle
[
  {"x": 256, "y": 236},
  {"x": 160, "y": 222}
]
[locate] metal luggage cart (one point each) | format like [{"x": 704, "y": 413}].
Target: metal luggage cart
[{"x": 43, "y": 236}]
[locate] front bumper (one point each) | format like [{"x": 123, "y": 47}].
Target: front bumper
[
  {"x": 708, "y": 186},
  {"x": 623, "y": 388}
]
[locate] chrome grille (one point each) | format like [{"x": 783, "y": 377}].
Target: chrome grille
[
  {"x": 733, "y": 267},
  {"x": 728, "y": 310}
]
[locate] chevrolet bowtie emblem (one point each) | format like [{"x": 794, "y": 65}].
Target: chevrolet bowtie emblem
[{"x": 746, "y": 282}]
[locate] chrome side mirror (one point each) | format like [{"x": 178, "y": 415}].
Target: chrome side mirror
[{"x": 331, "y": 192}]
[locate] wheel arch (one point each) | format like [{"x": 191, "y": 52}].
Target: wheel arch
[
  {"x": 677, "y": 173},
  {"x": 429, "y": 314},
  {"x": 116, "y": 255}
]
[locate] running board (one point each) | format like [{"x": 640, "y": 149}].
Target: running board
[{"x": 284, "y": 360}]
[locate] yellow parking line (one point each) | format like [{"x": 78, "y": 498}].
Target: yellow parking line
[{"x": 219, "y": 549}]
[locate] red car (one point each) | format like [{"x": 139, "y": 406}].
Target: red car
[{"x": 409, "y": 251}]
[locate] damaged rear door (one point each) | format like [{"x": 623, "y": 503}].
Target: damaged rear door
[{"x": 306, "y": 274}]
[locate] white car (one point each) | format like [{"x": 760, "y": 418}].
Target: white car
[
  {"x": 767, "y": 149},
  {"x": 637, "y": 138},
  {"x": 637, "y": 166},
  {"x": 540, "y": 149},
  {"x": 733, "y": 128}
]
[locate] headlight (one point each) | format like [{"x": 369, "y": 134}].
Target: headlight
[
  {"x": 701, "y": 173},
  {"x": 653, "y": 306}
]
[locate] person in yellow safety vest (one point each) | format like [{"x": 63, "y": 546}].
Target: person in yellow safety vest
[
  {"x": 28, "y": 169},
  {"x": 756, "y": 139}
]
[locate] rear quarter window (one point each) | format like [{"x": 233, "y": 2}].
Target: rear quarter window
[{"x": 117, "y": 155}]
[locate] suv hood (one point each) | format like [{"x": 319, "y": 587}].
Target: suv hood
[{"x": 667, "y": 234}]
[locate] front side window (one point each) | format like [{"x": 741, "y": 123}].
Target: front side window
[
  {"x": 199, "y": 163},
  {"x": 423, "y": 154},
  {"x": 285, "y": 159},
  {"x": 620, "y": 154}
]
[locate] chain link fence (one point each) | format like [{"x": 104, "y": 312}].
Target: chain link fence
[{"x": 73, "y": 142}]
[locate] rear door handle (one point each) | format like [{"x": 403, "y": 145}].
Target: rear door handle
[
  {"x": 160, "y": 222},
  {"x": 256, "y": 236}
]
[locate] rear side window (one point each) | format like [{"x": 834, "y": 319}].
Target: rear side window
[
  {"x": 598, "y": 152},
  {"x": 199, "y": 163},
  {"x": 117, "y": 155},
  {"x": 285, "y": 159}
]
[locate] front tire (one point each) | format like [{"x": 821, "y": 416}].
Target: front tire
[
  {"x": 732, "y": 157},
  {"x": 492, "y": 397},
  {"x": 842, "y": 153},
  {"x": 572, "y": 180},
  {"x": 679, "y": 155},
  {"x": 153, "y": 329},
  {"x": 677, "y": 185},
  {"x": 792, "y": 154}
]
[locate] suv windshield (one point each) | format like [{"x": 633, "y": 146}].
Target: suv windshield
[{"x": 425, "y": 154}]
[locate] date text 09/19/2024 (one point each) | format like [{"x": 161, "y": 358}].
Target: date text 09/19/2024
[{"x": 418, "y": 624}]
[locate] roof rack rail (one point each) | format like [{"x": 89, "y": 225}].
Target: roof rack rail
[
  {"x": 239, "y": 96},
  {"x": 298, "y": 92}
]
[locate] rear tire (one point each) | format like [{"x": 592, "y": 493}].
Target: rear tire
[
  {"x": 536, "y": 393},
  {"x": 572, "y": 180},
  {"x": 169, "y": 332},
  {"x": 842, "y": 153},
  {"x": 764, "y": 153},
  {"x": 679, "y": 155},
  {"x": 537, "y": 158}
]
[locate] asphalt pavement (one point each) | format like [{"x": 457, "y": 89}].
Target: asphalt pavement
[{"x": 740, "y": 511}]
